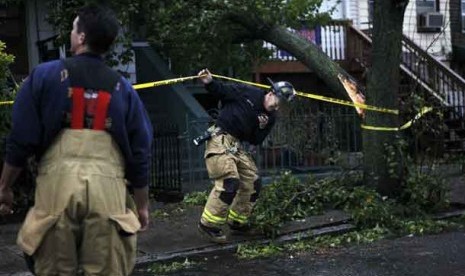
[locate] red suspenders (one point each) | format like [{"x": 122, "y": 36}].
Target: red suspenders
[
  {"x": 77, "y": 112},
  {"x": 103, "y": 99},
  {"x": 79, "y": 107},
  {"x": 90, "y": 93}
]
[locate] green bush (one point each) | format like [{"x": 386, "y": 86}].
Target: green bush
[
  {"x": 288, "y": 198},
  {"x": 23, "y": 188},
  {"x": 6, "y": 90},
  {"x": 195, "y": 199}
]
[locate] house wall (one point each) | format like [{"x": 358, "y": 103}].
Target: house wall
[
  {"x": 346, "y": 9},
  {"x": 365, "y": 22},
  {"x": 339, "y": 11},
  {"x": 437, "y": 44}
]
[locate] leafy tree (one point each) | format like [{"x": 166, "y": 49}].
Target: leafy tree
[
  {"x": 221, "y": 34},
  {"x": 6, "y": 89},
  {"x": 227, "y": 35}
]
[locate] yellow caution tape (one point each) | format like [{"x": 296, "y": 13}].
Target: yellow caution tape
[
  {"x": 307, "y": 95},
  {"x": 242, "y": 81},
  {"x": 162, "y": 82},
  {"x": 422, "y": 112},
  {"x": 343, "y": 102},
  {"x": 6, "y": 102},
  {"x": 321, "y": 98}
]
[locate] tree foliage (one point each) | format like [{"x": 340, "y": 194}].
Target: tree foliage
[
  {"x": 226, "y": 36},
  {"x": 7, "y": 88},
  {"x": 222, "y": 34}
]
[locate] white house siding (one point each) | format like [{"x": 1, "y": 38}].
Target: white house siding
[
  {"x": 338, "y": 13},
  {"x": 363, "y": 14},
  {"x": 437, "y": 44},
  {"x": 347, "y": 9}
]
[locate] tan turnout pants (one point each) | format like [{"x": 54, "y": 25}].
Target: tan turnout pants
[
  {"x": 80, "y": 220},
  {"x": 236, "y": 180}
]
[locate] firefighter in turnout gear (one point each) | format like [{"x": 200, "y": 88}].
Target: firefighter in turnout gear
[
  {"x": 246, "y": 117},
  {"x": 91, "y": 135}
]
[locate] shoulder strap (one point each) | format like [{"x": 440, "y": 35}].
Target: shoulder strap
[
  {"x": 91, "y": 86},
  {"x": 88, "y": 74}
]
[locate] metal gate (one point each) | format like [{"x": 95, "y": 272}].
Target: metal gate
[{"x": 165, "y": 182}]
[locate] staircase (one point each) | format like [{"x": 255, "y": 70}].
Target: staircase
[{"x": 440, "y": 86}]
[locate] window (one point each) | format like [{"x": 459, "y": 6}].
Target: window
[{"x": 429, "y": 19}]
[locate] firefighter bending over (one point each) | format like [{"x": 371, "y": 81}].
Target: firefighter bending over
[{"x": 247, "y": 116}]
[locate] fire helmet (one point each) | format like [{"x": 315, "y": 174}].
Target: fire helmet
[{"x": 283, "y": 89}]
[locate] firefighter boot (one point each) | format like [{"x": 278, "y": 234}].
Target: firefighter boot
[
  {"x": 246, "y": 229},
  {"x": 212, "y": 233}
]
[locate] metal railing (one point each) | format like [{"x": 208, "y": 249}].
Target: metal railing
[
  {"x": 442, "y": 82},
  {"x": 429, "y": 78},
  {"x": 328, "y": 135}
]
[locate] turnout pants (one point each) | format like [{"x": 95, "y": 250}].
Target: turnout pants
[
  {"x": 237, "y": 185},
  {"x": 80, "y": 220}
]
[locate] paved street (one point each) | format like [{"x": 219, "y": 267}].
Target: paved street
[{"x": 433, "y": 255}]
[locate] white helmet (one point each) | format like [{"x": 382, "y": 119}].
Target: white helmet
[{"x": 283, "y": 89}]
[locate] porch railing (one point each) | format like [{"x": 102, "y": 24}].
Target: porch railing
[{"x": 331, "y": 38}]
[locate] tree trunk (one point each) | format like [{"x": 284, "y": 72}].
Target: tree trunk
[
  {"x": 310, "y": 55},
  {"x": 306, "y": 52},
  {"x": 382, "y": 90}
]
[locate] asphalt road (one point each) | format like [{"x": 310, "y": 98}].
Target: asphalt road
[{"x": 433, "y": 255}]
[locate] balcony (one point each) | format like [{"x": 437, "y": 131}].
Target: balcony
[{"x": 331, "y": 38}]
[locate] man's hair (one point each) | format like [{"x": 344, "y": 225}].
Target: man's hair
[{"x": 100, "y": 27}]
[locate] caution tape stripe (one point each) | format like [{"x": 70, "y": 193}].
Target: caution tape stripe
[
  {"x": 422, "y": 112},
  {"x": 319, "y": 97},
  {"x": 162, "y": 82},
  {"x": 347, "y": 103},
  {"x": 307, "y": 95}
]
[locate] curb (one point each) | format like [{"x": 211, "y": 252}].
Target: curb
[
  {"x": 308, "y": 233},
  {"x": 288, "y": 237}
]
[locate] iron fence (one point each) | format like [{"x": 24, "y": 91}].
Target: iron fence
[
  {"x": 165, "y": 165},
  {"x": 165, "y": 178},
  {"x": 314, "y": 138},
  {"x": 328, "y": 135}
]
